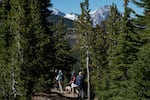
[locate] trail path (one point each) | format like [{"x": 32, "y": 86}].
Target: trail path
[{"x": 55, "y": 95}]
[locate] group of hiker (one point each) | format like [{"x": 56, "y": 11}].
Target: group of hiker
[{"x": 75, "y": 85}]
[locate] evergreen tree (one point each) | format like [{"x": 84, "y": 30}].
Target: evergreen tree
[
  {"x": 62, "y": 48},
  {"x": 27, "y": 49},
  {"x": 45, "y": 47},
  {"x": 38, "y": 48},
  {"x": 5, "y": 69},
  {"x": 121, "y": 59},
  {"x": 13, "y": 54},
  {"x": 31, "y": 68},
  {"x": 84, "y": 29},
  {"x": 113, "y": 24},
  {"x": 105, "y": 37},
  {"x": 141, "y": 70},
  {"x": 99, "y": 46},
  {"x": 62, "y": 55},
  {"x": 141, "y": 67}
]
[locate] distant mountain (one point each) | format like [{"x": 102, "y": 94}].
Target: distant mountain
[
  {"x": 57, "y": 12},
  {"x": 55, "y": 19},
  {"x": 97, "y": 15},
  {"x": 71, "y": 16},
  {"x": 100, "y": 14}
]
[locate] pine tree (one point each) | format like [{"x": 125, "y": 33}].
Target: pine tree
[
  {"x": 27, "y": 41},
  {"x": 30, "y": 67},
  {"x": 141, "y": 74},
  {"x": 38, "y": 48},
  {"x": 99, "y": 46},
  {"x": 84, "y": 29},
  {"x": 62, "y": 48},
  {"x": 62, "y": 56},
  {"x": 121, "y": 59},
  {"x": 13, "y": 53},
  {"x": 141, "y": 67},
  {"x": 105, "y": 37},
  {"x": 5, "y": 69},
  {"x": 46, "y": 46},
  {"x": 113, "y": 24}
]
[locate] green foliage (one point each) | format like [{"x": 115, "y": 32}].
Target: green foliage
[
  {"x": 9, "y": 59},
  {"x": 105, "y": 37},
  {"x": 141, "y": 66},
  {"x": 25, "y": 44},
  {"x": 99, "y": 46},
  {"x": 83, "y": 28},
  {"x": 62, "y": 48},
  {"x": 37, "y": 48},
  {"x": 140, "y": 74},
  {"x": 32, "y": 47},
  {"x": 63, "y": 58},
  {"x": 121, "y": 58},
  {"x": 55, "y": 20}
]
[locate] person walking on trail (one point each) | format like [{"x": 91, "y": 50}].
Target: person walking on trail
[
  {"x": 73, "y": 83},
  {"x": 79, "y": 82},
  {"x": 59, "y": 78}
]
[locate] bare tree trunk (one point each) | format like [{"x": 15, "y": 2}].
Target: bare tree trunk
[
  {"x": 14, "y": 92},
  {"x": 17, "y": 54},
  {"x": 88, "y": 75}
]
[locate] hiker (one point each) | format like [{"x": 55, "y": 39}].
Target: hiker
[
  {"x": 80, "y": 83},
  {"x": 73, "y": 83},
  {"x": 59, "y": 78}
]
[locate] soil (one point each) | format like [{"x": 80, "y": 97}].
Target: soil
[{"x": 55, "y": 95}]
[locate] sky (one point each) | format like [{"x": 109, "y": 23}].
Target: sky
[{"x": 73, "y": 6}]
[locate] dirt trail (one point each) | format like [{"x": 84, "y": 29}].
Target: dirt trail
[{"x": 55, "y": 95}]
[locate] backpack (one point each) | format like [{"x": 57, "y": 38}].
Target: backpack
[
  {"x": 79, "y": 81},
  {"x": 73, "y": 79},
  {"x": 63, "y": 77},
  {"x": 60, "y": 77}
]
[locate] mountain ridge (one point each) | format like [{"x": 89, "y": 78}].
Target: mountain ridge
[{"x": 97, "y": 15}]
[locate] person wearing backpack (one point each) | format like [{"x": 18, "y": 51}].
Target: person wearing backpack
[
  {"x": 80, "y": 83},
  {"x": 60, "y": 78},
  {"x": 73, "y": 83}
]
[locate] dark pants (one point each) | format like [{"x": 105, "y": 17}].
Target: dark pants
[
  {"x": 56, "y": 84},
  {"x": 81, "y": 93}
]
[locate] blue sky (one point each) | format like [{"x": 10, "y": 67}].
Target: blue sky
[{"x": 68, "y": 6}]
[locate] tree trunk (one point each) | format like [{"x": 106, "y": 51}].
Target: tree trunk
[{"x": 88, "y": 75}]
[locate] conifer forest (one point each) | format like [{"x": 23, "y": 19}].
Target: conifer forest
[{"x": 114, "y": 56}]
